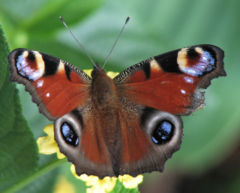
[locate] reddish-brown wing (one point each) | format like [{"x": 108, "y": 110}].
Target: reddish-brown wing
[
  {"x": 56, "y": 86},
  {"x": 152, "y": 94},
  {"x": 170, "y": 82}
]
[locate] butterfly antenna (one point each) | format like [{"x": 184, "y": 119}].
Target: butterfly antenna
[
  {"x": 78, "y": 42},
  {"x": 118, "y": 37}
]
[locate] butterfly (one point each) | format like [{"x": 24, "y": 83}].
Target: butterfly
[{"x": 127, "y": 125}]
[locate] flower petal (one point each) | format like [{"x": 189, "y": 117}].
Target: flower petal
[
  {"x": 96, "y": 185},
  {"x": 64, "y": 186},
  {"x": 47, "y": 144},
  {"x": 112, "y": 74},
  {"x": 131, "y": 182},
  {"x": 109, "y": 73},
  {"x": 49, "y": 130}
]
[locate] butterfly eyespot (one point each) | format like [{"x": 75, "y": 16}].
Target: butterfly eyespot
[
  {"x": 68, "y": 134},
  {"x": 163, "y": 132}
]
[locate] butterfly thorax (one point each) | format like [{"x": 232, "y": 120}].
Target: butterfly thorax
[{"x": 103, "y": 90}]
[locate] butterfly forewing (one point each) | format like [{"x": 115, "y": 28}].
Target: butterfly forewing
[
  {"x": 56, "y": 86},
  {"x": 170, "y": 82}
]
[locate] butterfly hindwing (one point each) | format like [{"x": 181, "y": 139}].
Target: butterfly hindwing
[
  {"x": 56, "y": 86},
  {"x": 143, "y": 151}
]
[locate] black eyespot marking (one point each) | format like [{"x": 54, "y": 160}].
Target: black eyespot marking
[
  {"x": 31, "y": 56},
  {"x": 68, "y": 72},
  {"x": 192, "y": 54},
  {"x": 147, "y": 70},
  {"x": 168, "y": 62},
  {"x": 163, "y": 132},
  {"x": 51, "y": 64},
  {"x": 69, "y": 134}
]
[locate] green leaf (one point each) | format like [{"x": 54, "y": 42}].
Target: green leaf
[
  {"x": 71, "y": 11},
  {"x": 4, "y": 60},
  {"x": 21, "y": 10},
  {"x": 42, "y": 184},
  {"x": 38, "y": 179},
  {"x": 18, "y": 152}
]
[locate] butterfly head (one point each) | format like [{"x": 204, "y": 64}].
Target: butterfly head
[
  {"x": 97, "y": 70},
  {"x": 103, "y": 87}
]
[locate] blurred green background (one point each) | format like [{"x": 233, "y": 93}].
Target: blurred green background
[{"x": 209, "y": 158}]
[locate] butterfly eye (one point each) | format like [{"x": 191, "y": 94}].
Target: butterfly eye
[
  {"x": 163, "y": 132},
  {"x": 68, "y": 134}
]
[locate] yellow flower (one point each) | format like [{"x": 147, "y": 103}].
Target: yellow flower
[
  {"x": 47, "y": 144},
  {"x": 107, "y": 184},
  {"x": 131, "y": 182},
  {"x": 63, "y": 186},
  {"x": 109, "y": 73},
  {"x": 96, "y": 185}
]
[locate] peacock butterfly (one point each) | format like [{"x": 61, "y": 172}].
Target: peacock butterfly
[{"x": 127, "y": 125}]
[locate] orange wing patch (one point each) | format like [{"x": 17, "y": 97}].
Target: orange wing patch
[
  {"x": 92, "y": 144},
  {"x": 135, "y": 142},
  {"x": 59, "y": 95},
  {"x": 168, "y": 92}
]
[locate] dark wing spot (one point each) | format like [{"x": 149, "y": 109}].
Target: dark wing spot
[
  {"x": 68, "y": 134},
  {"x": 31, "y": 56},
  {"x": 51, "y": 64},
  {"x": 146, "y": 69},
  {"x": 192, "y": 54},
  {"x": 168, "y": 62},
  {"x": 67, "y": 72},
  {"x": 163, "y": 132}
]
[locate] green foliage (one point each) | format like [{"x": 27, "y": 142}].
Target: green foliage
[
  {"x": 4, "y": 67},
  {"x": 18, "y": 152},
  {"x": 155, "y": 27}
]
